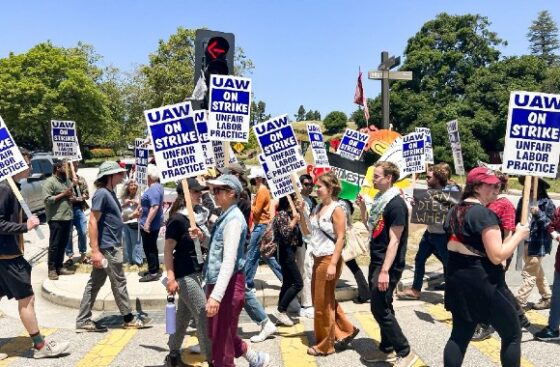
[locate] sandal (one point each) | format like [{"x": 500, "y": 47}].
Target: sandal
[
  {"x": 314, "y": 352},
  {"x": 407, "y": 295},
  {"x": 344, "y": 343}
]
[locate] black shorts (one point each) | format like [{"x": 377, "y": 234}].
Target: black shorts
[{"x": 15, "y": 278}]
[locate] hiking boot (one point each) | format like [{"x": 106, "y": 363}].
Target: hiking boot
[
  {"x": 53, "y": 275},
  {"x": 150, "y": 277},
  {"x": 407, "y": 361},
  {"x": 138, "y": 323},
  {"x": 51, "y": 349},
  {"x": 262, "y": 359},
  {"x": 268, "y": 329},
  {"x": 65, "y": 271},
  {"x": 543, "y": 304},
  {"x": 283, "y": 319},
  {"x": 91, "y": 326},
  {"x": 380, "y": 356},
  {"x": 547, "y": 334},
  {"x": 482, "y": 332}
]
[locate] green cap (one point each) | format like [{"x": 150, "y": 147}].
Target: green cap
[{"x": 109, "y": 168}]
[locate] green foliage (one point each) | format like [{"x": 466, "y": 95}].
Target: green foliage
[
  {"x": 300, "y": 115},
  {"x": 258, "y": 112},
  {"x": 312, "y": 115},
  {"x": 101, "y": 152},
  {"x": 543, "y": 38},
  {"x": 335, "y": 122},
  {"x": 50, "y": 82}
]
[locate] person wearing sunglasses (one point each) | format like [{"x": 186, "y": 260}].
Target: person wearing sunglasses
[{"x": 225, "y": 278}]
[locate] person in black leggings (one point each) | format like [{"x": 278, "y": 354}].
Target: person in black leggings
[{"x": 475, "y": 288}]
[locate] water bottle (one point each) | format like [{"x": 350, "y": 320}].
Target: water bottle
[
  {"x": 170, "y": 315},
  {"x": 104, "y": 263}
]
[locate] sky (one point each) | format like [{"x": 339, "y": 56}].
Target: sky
[{"x": 305, "y": 52}]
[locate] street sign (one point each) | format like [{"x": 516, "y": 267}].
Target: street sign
[
  {"x": 393, "y": 75},
  {"x": 238, "y": 147}
]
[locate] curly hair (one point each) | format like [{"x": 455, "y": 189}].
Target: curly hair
[{"x": 440, "y": 173}]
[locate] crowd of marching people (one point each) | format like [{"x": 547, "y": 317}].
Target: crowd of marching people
[{"x": 301, "y": 238}]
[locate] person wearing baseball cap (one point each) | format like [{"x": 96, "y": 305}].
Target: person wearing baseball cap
[
  {"x": 475, "y": 282},
  {"x": 105, "y": 236},
  {"x": 224, "y": 276}
]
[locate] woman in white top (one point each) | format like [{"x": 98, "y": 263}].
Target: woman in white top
[{"x": 328, "y": 225}]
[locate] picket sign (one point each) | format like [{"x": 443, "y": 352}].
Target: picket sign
[
  {"x": 24, "y": 205},
  {"x": 226, "y": 148},
  {"x": 302, "y": 222},
  {"x": 524, "y": 217},
  {"x": 74, "y": 177}
]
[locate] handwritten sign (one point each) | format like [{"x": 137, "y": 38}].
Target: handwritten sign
[{"x": 431, "y": 205}]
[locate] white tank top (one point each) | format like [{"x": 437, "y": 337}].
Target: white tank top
[{"x": 321, "y": 245}]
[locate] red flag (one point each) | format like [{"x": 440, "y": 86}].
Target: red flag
[{"x": 360, "y": 96}]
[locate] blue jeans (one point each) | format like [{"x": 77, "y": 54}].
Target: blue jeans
[
  {"x": 554, "y": 316},
  {"x": 79, "y": 222},
  {"x": 431, "y": 243},
  {"x": 254, "y": 308},
  {"x": 254, "y": 255},
  {"x": 133, "y": 253}
]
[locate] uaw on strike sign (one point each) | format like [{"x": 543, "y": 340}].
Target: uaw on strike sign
[
  {"x": 177, "y": 148},
  {"x": 230, "y": 105},
  {"x": 11, "y": 160},
  {"x": 280, "y": 146},
  {"x": 65, "y": 140},
  {"x": 532, "y": 143}
]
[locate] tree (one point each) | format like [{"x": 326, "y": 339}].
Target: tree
[
  {"x": 258, "y": 112},
  {"x": 49, "y": 82},
  {"x": 335, "y": 122},
  {"x": 300, "y": 115},
  {"x": 317, "y": 116},
  {"x": 543, "y": 38},
  {"x": 309, "y": 115}
]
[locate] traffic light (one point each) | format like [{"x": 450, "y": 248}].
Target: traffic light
[{"x": 213, "y": 53}]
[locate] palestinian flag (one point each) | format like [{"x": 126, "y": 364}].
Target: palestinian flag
[{"x": 350, "y": 173}]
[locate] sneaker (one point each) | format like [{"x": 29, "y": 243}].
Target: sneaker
[
  {"x": 262, "y": 359},
  {"x": 547, "y": 334},
  {"x": 51, "y": 349},
  {"x": 482, "y": 333},
  {"x": 138, "y": 323},
  {"x": 53, "y": 275},
  {"x": 173, "y": 359},
  {"x": 194, "y": 349},
  {"x": 3, "y": 356},
  {"x": 268, "y": 329},
  {"x": 283, "y": 319},
  {"x": 308, "y": 312},
  {"x": 91, "y": 326},
  {"x": 380, "y": 356},
  {"x": 407, "y": 361},
  {"x": 150, "y": 277},
  {"x": 64, "y": 271},
  {"x": 543, "y": 304}
]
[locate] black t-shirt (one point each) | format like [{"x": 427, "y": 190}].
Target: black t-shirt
[
  {"x": 395, "y": 214},
  {"x": 471, "y": 219},
  {"x": 184, "y": 255}
]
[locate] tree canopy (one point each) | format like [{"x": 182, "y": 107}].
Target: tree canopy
[{"x": 543, "y": 38}]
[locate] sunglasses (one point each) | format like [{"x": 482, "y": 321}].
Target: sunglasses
[
  {"x": 216, "y": 190},
  {"x": 308, "y": 184}
]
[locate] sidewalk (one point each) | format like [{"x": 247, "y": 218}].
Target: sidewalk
[{"x": 67, "y": 290}]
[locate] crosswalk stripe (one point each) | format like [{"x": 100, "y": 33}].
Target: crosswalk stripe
[
  {"x": 293, "y": 346},
  {"x": 536, "y": 318},
  {"x": 105, "y": 351},
  {"x": 489, "y": 347},
  {"x": 370, "y": 326},
  {"x": 19, "y": 345},
  {"x": 189, "y": 358}
]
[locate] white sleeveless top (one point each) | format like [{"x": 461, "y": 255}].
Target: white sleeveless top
[{"x": 320, "y": 244}]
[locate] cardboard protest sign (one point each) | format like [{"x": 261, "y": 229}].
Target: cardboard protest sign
[
  {"x": 278, "y": 186},
  {"x": 317, "y": 145},
  {"x": 413, "y": 152},
  {"x": 394, "y": 154},
  {"x": 532, "y": 142},
  {"x": 230, "y": 101},
  {"x": 219, "y": 156},
  {"x": 427, "y": 143},
  {"x": 11, "y": 160},
  {"x": 65, "y": 140},
  {"x": 352, "y": 144},
  {"x": 201, "y": 123},
  {"x": 351, "y": 174},
  {"x": 455, "y": 141},
  {"x": 177, "y": 148},
  {"x": 431, "y": 205},
  {"x": 141, "y": 161},
  {"x": 279, "y": 145}
]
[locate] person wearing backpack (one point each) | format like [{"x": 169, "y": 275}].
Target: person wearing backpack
[{"x": 328, "y": 224}]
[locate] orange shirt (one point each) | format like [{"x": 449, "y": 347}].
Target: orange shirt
[{"x": 261, "y": 206}]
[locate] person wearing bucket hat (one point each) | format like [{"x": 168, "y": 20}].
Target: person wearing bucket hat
[
  {"x": 105, "y": 235},
  {"x": 475, "y": 288},
  {"x": 537, "y": 246},
  {"x": 225, "y": 278}
]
